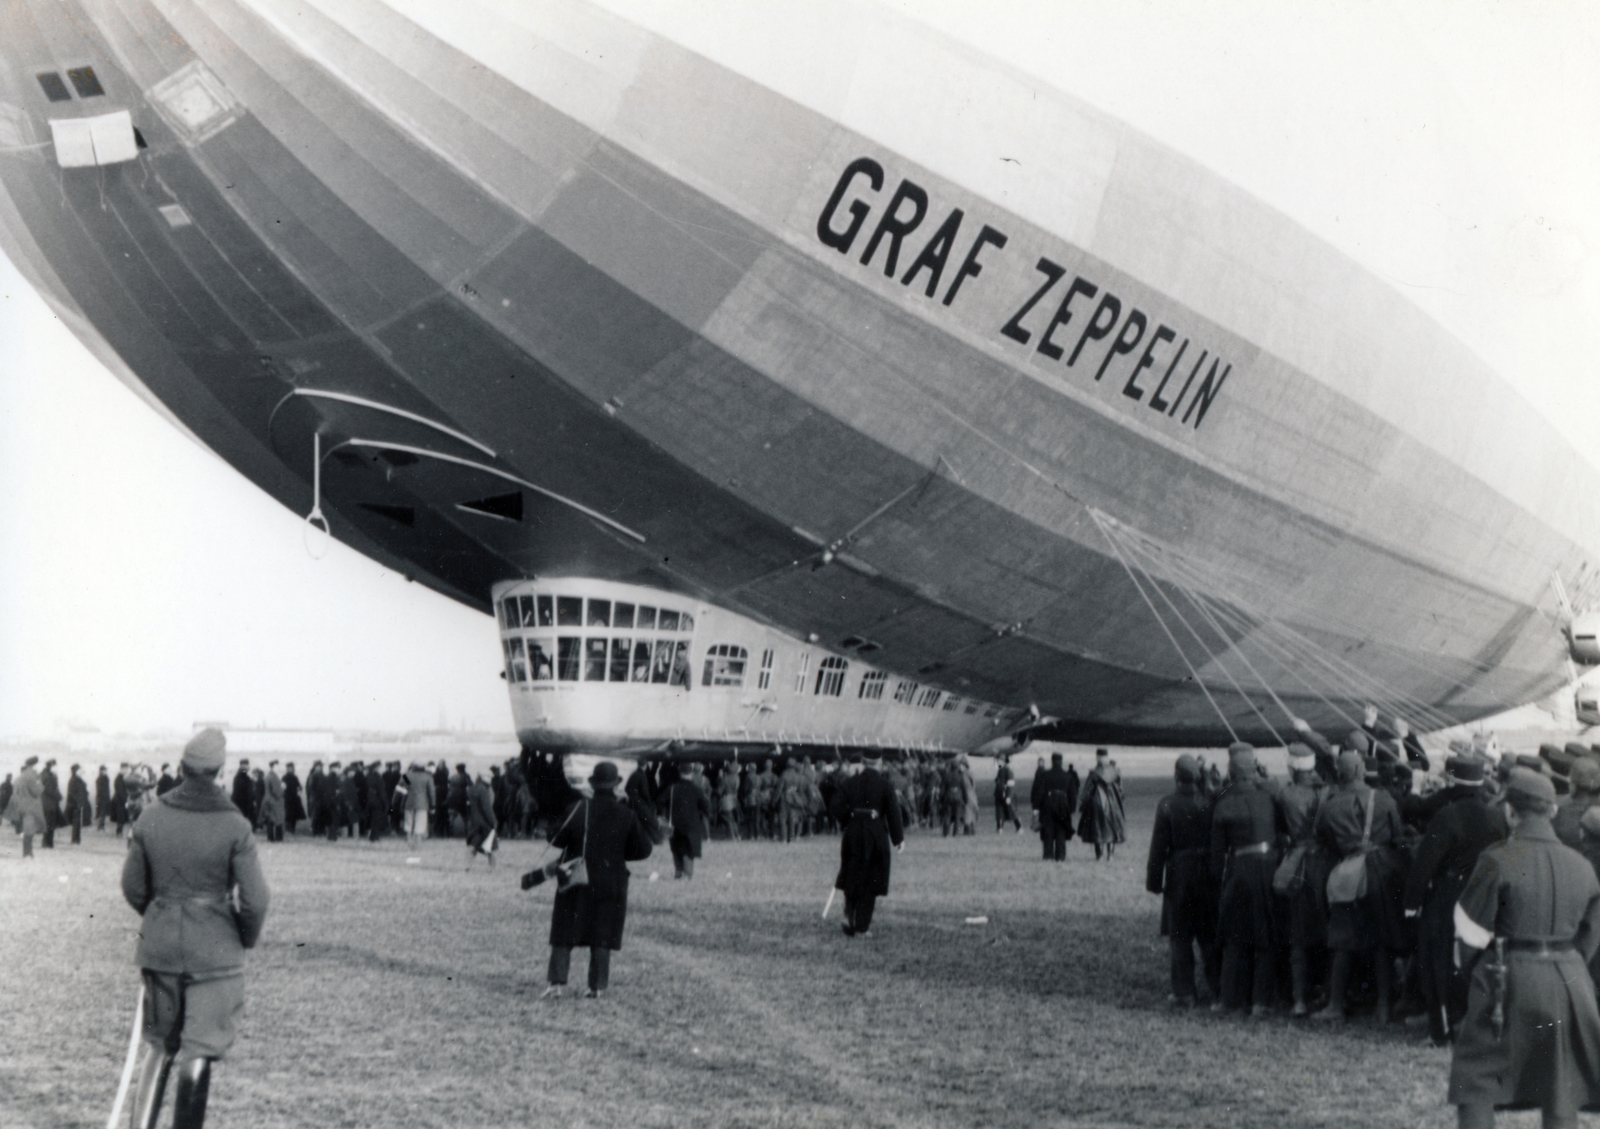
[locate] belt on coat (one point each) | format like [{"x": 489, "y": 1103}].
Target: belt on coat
[
  {"x": 195, "y": 900},
  {"x": 871, "y": 813},
  {"x": 1540, "y": 948},
  {"x": 1253, "y": 849}
]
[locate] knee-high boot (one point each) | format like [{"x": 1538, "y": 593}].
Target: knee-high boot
[
  {"x": 1300, "y": 979},
  {"x": 194, "y": 1087},
  {"x": 1338, "y": 981},
  {"x": 152, "y": 1085}
]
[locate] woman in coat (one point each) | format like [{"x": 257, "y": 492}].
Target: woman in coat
[
  {"x": 606, "y": 834},
  {"x": 26, "y": 809}
]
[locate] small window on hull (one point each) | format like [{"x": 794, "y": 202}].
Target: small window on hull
[
  {"x": 526, "y": 604},
  {"x": 619, "y": 659},
  {"x": 801, "y": 672},
  {"x": 724, "y": 666},
  {"x": 662, "y": 666},
  {"x": 594, "y": 660},
  {"x": 952, "y": 703},
  {"x": 541, "y": 662},
  {"x": 599, "y": 613},
  {"x": 509, "y": 616},
  {"x": 646, "y": 619},
  {"x": 905, "y": 692},
  {"x": 54, "y": 88},
  {"x": 622, "y": 615},
  {"x": 830, "y": 677},
  {"x": 641, "y": 661},
  {"x": 516, "y": 666},
  {"x": 680, "y": 666},
  {"x": 569, "y": 658},
  {"x": 85, "y": 81},
  {"x": 547, "y": 617},
  {"x": 569, "y": 611},
  {"x": 872, "y": 684},
  {"x": 766, "y": 670},
  {"x": 668, "y": 621}
]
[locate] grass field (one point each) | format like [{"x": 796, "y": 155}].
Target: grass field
[{"x": 387, "y": 994}]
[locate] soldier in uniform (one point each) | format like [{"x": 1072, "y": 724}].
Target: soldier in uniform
[
  {"x": 1005, "y": 786},
  {"x": 1306, "y": 897},
  {"x": 1101, "y": 821},
  {"x": 1178, "y": 870},
  {"x": 1455, "y": 837},
  {"x": 51, "y": 799},
  {"x": 1055, "y": 797},
  {"x": 1527, "y": 923},
  {"x": 102, "y": 799},
  {"x": 78, "y": 809},
  {"x": 1245, "y": 823},
  {"x": 687, "y": 811},
  {"x": 244, "y": 793},
  {"x": 192, "y": 872},
  {"x": 1357, "y": 819},
  {"x": 868, "y": 811}
]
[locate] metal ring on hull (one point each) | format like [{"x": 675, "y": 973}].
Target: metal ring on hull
[{"x": 423, "y": 452}]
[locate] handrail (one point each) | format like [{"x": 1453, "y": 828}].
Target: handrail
[{"x": 363, "y": 402}]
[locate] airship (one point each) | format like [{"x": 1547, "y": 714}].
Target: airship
[{"x": 824, "y": 391}]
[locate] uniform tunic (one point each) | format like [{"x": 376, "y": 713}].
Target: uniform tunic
[
  {"x": 607, "y": 834},
  {"x": 1179, "y": 869},
  {"x": 1244, "y": 820},
  {"x": 1101, "y": 819},
  {"x": 192, "y": 872},
  {"x": 1377, "y": 918},
  {"x": 1307, "y": 917},
  {"x": 1531, "y": 888}
]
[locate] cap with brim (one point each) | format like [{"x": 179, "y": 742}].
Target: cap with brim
[
  {"x": 1576, "y": 749},
  {"x": 1241, "y": 757},
  {"x": 1590, "y": 822},
  {"x": 1527, "y": 789},
  {"x": 204, "y": 752},
  {"x": 1357, "y": 740},
  {"x": 1464, "y": 770},
  {"x": 1585, "y": 774},
  {"x": 1301, "y": 758},
  {"x": 1186, "y": 770},
  {"x": 1558, "y": 758}
]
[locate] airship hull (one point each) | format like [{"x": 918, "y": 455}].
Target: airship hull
[{"x": 1043, "y": 412}]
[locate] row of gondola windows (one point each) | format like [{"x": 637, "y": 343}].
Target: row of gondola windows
[
  {"x": 574, "y": 659},
  {"x": 666, "y": 662},
  {"x": 575, "y": 611}
]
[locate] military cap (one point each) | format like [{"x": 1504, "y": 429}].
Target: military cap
[
  {"x": 1301, "y": 758},
  {"x": 1186, "y": 770},
  {"x": 204, "y": 751},
  {"x": 1559, "y": 759},
  {"x": 1464, "y": 770},
  {"x": 1585, "y": 774},
  {"x": 1528, "y": 790}
]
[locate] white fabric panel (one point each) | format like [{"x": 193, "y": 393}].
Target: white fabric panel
[{"x": 74, "y": 142}]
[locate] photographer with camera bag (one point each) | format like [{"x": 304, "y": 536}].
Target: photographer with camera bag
[{"x": 597, "y": 837}]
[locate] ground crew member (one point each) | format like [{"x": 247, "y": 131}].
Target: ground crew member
[
  {"x": 868, "y": 811},
  {"x": 192, "y": 873},
  {"x": 1244, "y": 829},
  {"x": 1055, "y": 798},
  {"x": 1531, "y": 1037},
  {"x": 1304, "y": 890},
  {"x": 1455, "y": 837},
  {"x": 1179, "y": 872}
]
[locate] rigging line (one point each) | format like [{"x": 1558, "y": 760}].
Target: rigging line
[
  {"x": 1293, "y": 672},
  {"x": 1170, "y": 638},
  {"x": 1181, "y": 566},
  {"x": 1198, "y": 602},
  {"x": 1215, "y": 659}
]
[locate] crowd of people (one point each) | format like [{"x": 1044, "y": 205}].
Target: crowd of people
[{"x": 1340, "y": 884}]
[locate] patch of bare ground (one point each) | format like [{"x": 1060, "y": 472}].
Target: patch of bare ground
[{"x": 388, "y": 994}]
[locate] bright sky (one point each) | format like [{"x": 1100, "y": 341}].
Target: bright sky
[{"x": 1453, "y": 147}]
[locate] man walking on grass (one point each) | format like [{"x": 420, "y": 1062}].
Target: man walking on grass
[
  {"x": 192, "y": 873},
  {"x": 869, "y": 812}
]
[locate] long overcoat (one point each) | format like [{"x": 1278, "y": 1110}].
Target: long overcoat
[
  {"x": 1101, "y": 817},
  {"x": 607, "y": 833},
  {"x": 1531, "y": 888},
  {"x": 26, "y": 809},
  {"x": 272, "y": 802},
  {"x": 1179, "y": 866},
  {"x": 867, "y": 809},
  {"x": 686, "y": 806},
  {"x": 192, "y": 872},
  {"x": 1243, "y": 818}
]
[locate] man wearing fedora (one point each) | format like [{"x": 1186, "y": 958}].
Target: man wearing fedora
[
  {"x": 606, "y": 834},
  {"x": 868, "y": 810},
  {"x": 192, "y": 873},
  {"x": 1456, "y": 835}
]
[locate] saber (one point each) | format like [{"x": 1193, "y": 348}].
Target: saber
[
  {"x": 127, "y": 1067},
  {"x": 829, "y": 906}
]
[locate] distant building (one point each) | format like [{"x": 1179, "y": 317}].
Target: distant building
[{"x": 263, "y": 741}]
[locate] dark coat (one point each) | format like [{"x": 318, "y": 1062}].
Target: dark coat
[
  {"x": 480, "y": 813},
  {"x": 102, "y": 795},
  {"x": 166, "y": 784},
  {"x": 1244, "y": 817},
  {"x": 1055, "y": 798},
  {"x": 78, "y": 810},
  {"x": 192, "y": 872},
  {"x": 324, "y": 794},
  {"x": 1100, "y": 819},
  {"x": 51, "y": 797},
  {"x": 688, "y": 809},
  {"x": 1178, "y": 868},
  {"x": 868, "y": 810},
  {"x": 377, "y": 804},
  {"x": 607, "y": 833},
  {"x": 244, "y": 795},
  {"x": 1531, "y": 887},
  {"x": 272, "y": 799},
  {"x": 119, "y": 799}
]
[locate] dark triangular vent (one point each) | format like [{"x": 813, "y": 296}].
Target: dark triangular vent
[
  {"x": 405, "y": 515},
  {"x": 507, "y": 506}
]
